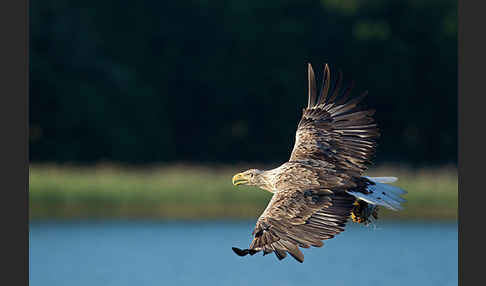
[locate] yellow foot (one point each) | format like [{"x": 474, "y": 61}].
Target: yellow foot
[
  {"x": 357, "y": 209},
  {"x": 356, "y": 218}
]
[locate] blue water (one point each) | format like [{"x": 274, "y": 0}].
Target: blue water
[{"x": 123, "y": 253}]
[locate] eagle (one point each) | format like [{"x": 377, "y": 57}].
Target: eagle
[{"x": 322, "y": 185}]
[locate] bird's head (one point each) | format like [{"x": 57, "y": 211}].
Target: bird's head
[{"x": 250, "y": 177}]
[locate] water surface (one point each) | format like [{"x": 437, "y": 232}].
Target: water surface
[{"x": 199, "y": 253}]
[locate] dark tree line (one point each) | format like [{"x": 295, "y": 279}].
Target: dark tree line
[{"x": 225, "y": 81}]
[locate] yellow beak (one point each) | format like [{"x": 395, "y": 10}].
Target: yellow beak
[{"x": 239, "y": 179}]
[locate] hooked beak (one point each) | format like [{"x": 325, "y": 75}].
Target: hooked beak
[{"x": 239, "y": 179}]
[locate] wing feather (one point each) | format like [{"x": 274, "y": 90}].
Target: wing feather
[
  {"x": 325, "y": 86},
  {"x": 337, "y": 131},
  {"x": 312, "y": 86},
  {"x": 294, "y": 219}
]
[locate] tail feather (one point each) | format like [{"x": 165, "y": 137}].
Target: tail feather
[
  {"x": 382, "y": 194},
  {"x": 385, "y": 180}
]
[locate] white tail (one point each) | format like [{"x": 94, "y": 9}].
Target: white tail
[
  {"x": 382, "y": 194},
  {"x": 385, "y": 180}
]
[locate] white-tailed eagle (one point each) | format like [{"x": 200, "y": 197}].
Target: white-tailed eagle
[{"x": 322, "y": 185}]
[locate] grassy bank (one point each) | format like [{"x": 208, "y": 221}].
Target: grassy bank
[{"x": 192, "y": 192}]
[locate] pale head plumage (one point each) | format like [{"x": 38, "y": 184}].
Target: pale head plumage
[{"x": 254, "y": 177}]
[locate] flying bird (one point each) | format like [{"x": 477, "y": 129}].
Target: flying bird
[{"x": 322, "y": 185}]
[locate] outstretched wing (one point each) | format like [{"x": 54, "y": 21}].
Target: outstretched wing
[
  {"x": 296, "y": 218},
  {"x": 334, "y": 129}
]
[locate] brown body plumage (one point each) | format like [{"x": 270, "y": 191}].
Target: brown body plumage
[{"x": 316, "y": 191}]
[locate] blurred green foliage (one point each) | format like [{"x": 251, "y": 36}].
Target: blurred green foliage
[
  {"x": 195, "y": 192},
  {"x": 159, "y": 81}
]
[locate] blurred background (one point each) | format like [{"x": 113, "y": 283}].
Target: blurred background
[{"x": 141, "y": 112}]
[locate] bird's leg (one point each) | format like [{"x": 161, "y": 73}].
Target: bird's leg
[{"x": 357, "y": 214}]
